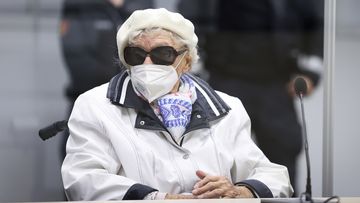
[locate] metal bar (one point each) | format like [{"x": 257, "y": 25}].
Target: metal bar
[{"x": 329, "y": 64}]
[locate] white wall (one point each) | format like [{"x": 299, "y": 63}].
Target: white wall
[{"x": 347, "y": 99}]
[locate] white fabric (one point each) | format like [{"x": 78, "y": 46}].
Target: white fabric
[
  {"x": 152, "y": 80},
  {"x": 161, "y": 18},
  {"x": 151, "y": 195},
  {"x": 106, "y": 155},
  {"x": 155, "y": 196},
  {"x": 310, "y": 63}
]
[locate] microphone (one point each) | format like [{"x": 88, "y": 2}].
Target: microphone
[
  {"x": 53, "y": 129},
  {"x": 300, "y": 86},
  {"x": 301, "y": 89}
]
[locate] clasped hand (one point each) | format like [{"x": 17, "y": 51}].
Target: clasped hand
[{"x": 213, "y": 187}]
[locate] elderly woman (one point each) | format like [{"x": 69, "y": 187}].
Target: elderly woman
[{"x": 157, "y": 132}]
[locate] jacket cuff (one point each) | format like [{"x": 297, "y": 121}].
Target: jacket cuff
[
  {"x": 258, "y": 188},
  {"x": 138, "y": 192}
]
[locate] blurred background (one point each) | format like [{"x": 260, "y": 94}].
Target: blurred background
[{"x": 34, "y": 79}]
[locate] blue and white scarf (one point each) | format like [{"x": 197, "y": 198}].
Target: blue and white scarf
[{"x": 174, "y": 109}]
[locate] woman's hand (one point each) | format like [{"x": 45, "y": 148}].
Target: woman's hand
[{"x": 218, "y": 187}]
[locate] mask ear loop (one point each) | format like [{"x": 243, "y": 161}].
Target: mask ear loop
[
  {"x": 128, "y": 71},
  {"x": 182, "y": 57}
]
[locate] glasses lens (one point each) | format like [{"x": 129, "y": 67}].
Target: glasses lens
[
  {"x": 134, "y": 55},
  {"x": 164, "y": 55}
]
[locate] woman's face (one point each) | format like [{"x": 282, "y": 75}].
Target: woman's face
[{"x": 163, "y": 38}]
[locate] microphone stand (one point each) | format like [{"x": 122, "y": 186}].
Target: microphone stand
[
  {"x": 301, "y": 88},
  {"x": 307, "y": 193}
]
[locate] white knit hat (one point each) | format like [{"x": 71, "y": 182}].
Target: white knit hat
[{"x": 162, "y": 18}]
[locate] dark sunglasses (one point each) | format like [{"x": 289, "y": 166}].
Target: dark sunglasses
[{"x": 163, "y": 55}]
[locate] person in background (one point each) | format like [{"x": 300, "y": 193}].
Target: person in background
[
  {"x": 157, "y": 132},
  {"x": 254, "y": 50},
  {"x": 87, "y": 31}
]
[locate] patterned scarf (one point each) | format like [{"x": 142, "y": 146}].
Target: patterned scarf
[{"x": 174, "y": 109}]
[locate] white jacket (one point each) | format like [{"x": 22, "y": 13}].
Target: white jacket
[{"x": 118, "y": 149}]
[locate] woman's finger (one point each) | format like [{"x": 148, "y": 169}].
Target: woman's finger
[
  {"x": 206, "y": 180},
  {"x": 217, "y": 193},
  {"x": 201, "y": 174},
  {"x": 210, "y": 186}
]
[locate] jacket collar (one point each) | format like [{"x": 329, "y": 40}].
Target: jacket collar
[{"x": 207, "y": 107}]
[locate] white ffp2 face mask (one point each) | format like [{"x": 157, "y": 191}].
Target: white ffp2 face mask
[{"x": 152, "y": 80}]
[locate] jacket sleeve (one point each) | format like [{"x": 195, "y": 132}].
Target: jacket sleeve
[
  {"x": 251, "y": 167},
  {"x": 90, "y": 170}
]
